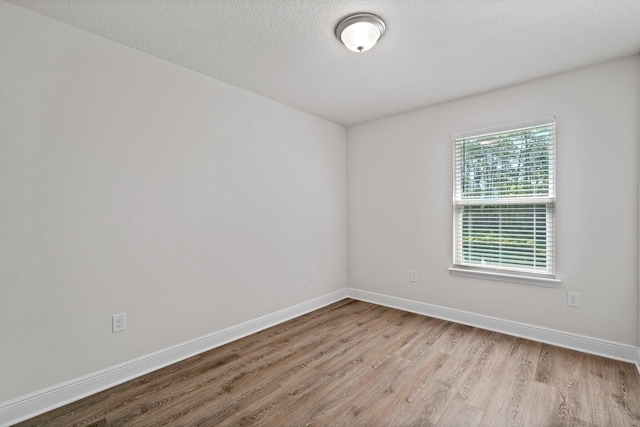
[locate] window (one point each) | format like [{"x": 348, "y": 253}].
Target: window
[{"x": 504, "y": 200}]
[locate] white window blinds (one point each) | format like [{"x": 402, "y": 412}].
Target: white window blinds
[{"x": 504, "y": 199}]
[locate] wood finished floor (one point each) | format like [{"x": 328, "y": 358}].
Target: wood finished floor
[{"x": 358, "y": 364}]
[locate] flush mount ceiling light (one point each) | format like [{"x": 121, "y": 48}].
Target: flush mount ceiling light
[{"x": 360, "y": 32}]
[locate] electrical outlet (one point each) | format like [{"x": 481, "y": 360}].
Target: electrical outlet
[
  {"x": 413, "y": 276},
  {"x": 312, "y": 275},
  {"x": 573, "y": 299},
  {"x": 118, "y": 322}
]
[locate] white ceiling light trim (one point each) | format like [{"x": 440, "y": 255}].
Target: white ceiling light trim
[{"x": 360, "y": 32}]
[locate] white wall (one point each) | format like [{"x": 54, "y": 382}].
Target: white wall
[
  {"x": 128, "y": 184},
  {"x": 400, "y": 192}
]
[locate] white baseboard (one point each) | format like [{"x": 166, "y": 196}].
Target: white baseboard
[
  {"x": 612, "y": 350},
  {"x": 29, "y": 406}
]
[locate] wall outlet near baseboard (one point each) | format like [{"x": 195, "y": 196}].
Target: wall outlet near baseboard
[
  {"x": 312, "y": 275},
  {"x": 573, "y": 299},
  {"x": 118, "y": 322},
  {"x": 413, "y": 276}
]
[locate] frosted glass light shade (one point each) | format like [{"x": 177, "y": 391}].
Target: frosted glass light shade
[{"x": 360, "y": 32}]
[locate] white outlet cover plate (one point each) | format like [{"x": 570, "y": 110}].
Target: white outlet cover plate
[{"x": 118, "y": 322}]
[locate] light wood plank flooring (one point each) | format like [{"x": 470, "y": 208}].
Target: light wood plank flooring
[{"x": 359, "y": 364}]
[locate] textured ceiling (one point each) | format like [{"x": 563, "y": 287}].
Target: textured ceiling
[{"x": 432, "y": 51}]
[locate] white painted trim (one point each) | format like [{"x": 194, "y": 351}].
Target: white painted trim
[
  {"x": 610, "y": 349},
  {"x": 504, "y": 128},
  {"x": 29, "y": 406},
  {"x": 505, "y": 277},
  {"x": 33, "y": 404}
]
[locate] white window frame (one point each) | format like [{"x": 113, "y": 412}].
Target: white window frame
[{"x": 504, "y": 272}]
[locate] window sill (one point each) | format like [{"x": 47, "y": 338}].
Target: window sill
[{"x": 505, "y": 277}]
